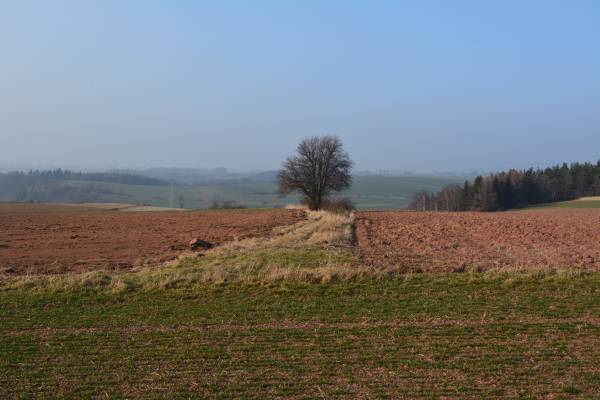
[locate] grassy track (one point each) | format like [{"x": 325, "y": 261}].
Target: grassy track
[{"x": 459, "y": 335}]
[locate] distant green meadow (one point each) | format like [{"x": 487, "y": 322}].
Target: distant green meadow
[
  {"x": 367, "y": 192},
  {"x": 571, "y": 204}
]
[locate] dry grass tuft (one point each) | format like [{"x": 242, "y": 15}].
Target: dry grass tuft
[{"x": 296, "y": 207}]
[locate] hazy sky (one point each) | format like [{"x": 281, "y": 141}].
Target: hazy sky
[{"x": 430, "y": 86}]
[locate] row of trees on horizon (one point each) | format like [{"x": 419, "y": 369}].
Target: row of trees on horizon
[
  {"x": 46, "y": 185},
  {"x": 60, "y": 174},
  {"x": 514, "y": 189}
]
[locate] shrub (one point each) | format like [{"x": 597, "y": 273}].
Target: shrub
[
  {"x": 338, "y": 205},
  {"x": 226, "y": 205}
]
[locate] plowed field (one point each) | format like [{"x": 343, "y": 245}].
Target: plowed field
[
  {"x": 440, "y": 241},
  {"x": 57, "y": 239}
]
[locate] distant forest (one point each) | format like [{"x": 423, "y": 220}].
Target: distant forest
[
  {"x": 48, "y": 186},
  {"x": 514, "y": 189}
]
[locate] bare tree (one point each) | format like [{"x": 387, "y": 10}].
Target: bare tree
[
  {"x": 320, "y": 167},
  {"x": 421, "y": 201}
]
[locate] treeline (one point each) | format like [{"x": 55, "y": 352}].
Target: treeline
[
  {"x": 514, "y": 189},
  {"x": 66, "y": 175},
  {"x": 52, "y": 186}
]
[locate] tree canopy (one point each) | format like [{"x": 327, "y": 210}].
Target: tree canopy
[
  {"x": 515, "y": 189},
  {"x": 319, "y": 168}
]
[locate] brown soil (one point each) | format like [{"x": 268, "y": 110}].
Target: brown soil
[
  {"x": 443, "y": 241},
  {"x": 50, "y": 239}
]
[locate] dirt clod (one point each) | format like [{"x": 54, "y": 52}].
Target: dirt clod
[{"x": 200, "y": 244}]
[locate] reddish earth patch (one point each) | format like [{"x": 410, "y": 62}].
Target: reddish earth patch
[
  {"x": 443, "y": 241},
  {"x": 57, "y": 239}
]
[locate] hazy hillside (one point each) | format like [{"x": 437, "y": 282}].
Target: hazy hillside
[
  {"x": 54, "y": 185},
  {"x": 191, "y": 188},
  {"x": 368, "y": 192},
  {"x": 201, "y": 176}
]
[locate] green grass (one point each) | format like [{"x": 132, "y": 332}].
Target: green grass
[
  {"x": 368, "y": 192},
  {"x": 295, "y": 315},
  {"x": 392, "y": 192},
  {"x": 570, "y": 204},
  {"x": 454, "y": 335}
]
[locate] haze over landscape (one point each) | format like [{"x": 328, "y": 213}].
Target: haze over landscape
[
  {"x": 299, "y": 200},
  {"x": 422, "y": 86}
]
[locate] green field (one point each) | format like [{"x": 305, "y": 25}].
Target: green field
[
  {"x": 297, "y": 315},
  {"x": 368, "y": 192},
  {"x": 392, "y": 192},
  {"x": 571, "y": 204},
  {"x": 423, "y": 336}
]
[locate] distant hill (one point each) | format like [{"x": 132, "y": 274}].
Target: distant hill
[
  {"x": 367, "y": 192},
  {"x": 267, "y": 176},
  {"x": 52, "y": 185},
  {"x": 190, "y": 176},
  {"x": 199, "y": 188}
]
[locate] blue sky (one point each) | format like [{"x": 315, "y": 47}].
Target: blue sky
[{"x": 428, "y": 86}]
